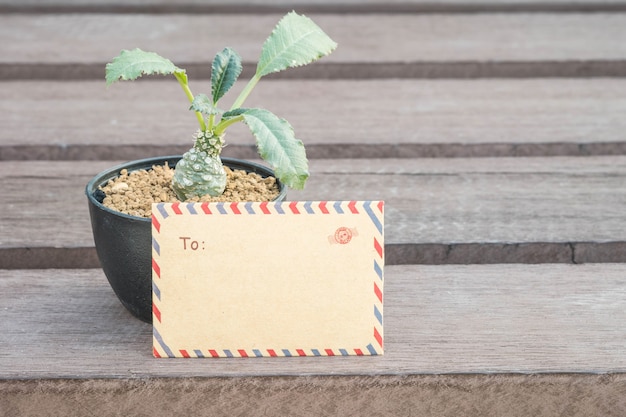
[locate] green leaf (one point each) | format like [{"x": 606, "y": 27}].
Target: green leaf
[
  {"x": 276, "y": 144},
  {"x": 295, "y": 41},
  {"x": 203, "y": 104},
  {"x": 129, "y": 65},
  {"x": 225, "y": 70}
]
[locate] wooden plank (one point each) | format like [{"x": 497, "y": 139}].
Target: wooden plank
[
  {"x": 438, "y": 320},
  {"x": 78, "y": 45},
  {"x": 88, "y": 38},
  {"x": 437, "y": 210},
  {"x": 574, "y": 395},
  {"x": 428, "y": 395},
  {"x": 510, "y": 209},
  {"x": 335, "y": 119}
]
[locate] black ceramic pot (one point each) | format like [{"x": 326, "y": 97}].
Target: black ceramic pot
[{"x": 123, "y": 242}]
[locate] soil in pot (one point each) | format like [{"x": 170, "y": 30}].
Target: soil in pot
[{"x": 134, "y": 192}]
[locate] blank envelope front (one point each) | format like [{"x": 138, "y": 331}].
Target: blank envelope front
[{"x": 268, "y": 279}]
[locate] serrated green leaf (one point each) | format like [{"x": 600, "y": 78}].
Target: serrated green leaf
[
  {"x": 295, "y": 41},
  {"x": 203, "y": 104},
  {"x": 225, "y": 70},
  {"x": 130, "y": 65},
  {"x": 277, "y": 145}
]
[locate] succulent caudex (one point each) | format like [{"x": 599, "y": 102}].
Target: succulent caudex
[{"x": 295, "y": 41}]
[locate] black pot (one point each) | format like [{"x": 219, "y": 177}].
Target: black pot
[{"x": 124, "y": 242}]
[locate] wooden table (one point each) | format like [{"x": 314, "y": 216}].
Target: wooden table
[{"x": 494, "y": 132}]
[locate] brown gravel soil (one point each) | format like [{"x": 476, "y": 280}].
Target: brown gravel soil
[{"x": 133, "y": 193}]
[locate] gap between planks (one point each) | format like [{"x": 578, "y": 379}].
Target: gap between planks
[
  {"x": 352, "y": 71},
  {"x": 479, "y": 253},
  {"x": 312, "y": 6},
  {"x": 98, "y": 152}
]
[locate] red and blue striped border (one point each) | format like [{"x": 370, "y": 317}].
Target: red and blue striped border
[{"x": 375, "y": 211}]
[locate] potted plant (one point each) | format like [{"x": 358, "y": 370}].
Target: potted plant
[{"x": 123, "y": 240}]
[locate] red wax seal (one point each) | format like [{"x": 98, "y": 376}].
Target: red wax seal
[{"x": 343, "y": 235}]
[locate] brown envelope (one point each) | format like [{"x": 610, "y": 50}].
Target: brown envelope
[{"x": 268, "y": 279}]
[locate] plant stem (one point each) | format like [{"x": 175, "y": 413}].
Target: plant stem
[
  {"x": 245, "y": 92},
  {"x": 182, "y": 80},
  {"x": 222, "y": 125}
]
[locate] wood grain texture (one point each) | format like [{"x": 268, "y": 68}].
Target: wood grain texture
[
  {"x": 87, "y": 38},
  {"x": 513, "y": 338},
  {"x": 437, "y": 210},
  {"x": 574, "y": 395},
  {"x": 498, "y": 200},
  {"x": 335, "y": 119},
  {"x": 438, "y": 319}
]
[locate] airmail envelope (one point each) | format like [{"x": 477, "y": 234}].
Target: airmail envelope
[{"x": 298, "y": 278}]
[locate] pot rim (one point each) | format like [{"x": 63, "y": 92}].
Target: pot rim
[{"x": 137, "y": 164}]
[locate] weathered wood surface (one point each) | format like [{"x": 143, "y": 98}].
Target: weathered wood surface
[
  {"x": 500, "y": 339},
  {"x": 369, "y": 38},
  {"x": 465, "y": 210},
  {"x": 69, "y": 46},
  {"x": 572, "y": 395},
  {"x": 411, "y": 118},
  {"x": 443, "y": 319}
]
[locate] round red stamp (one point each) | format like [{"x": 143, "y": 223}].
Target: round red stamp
[{"x": 343, "y": 235}]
